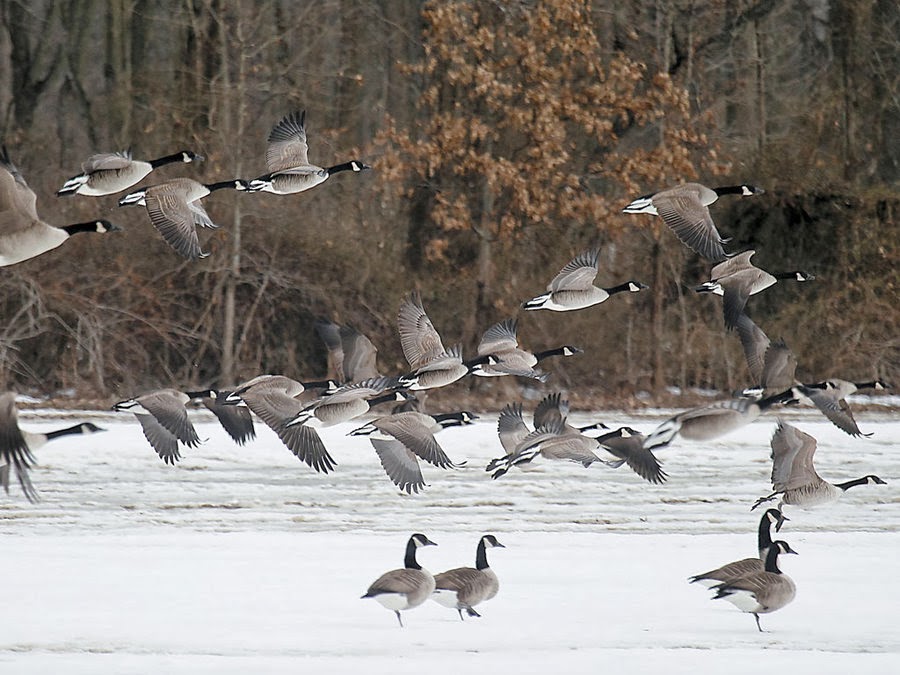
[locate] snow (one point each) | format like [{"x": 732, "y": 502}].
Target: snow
[{"x": 243, "y": 560}]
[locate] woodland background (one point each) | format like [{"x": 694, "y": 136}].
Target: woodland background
[{"x": 505, "y": 137}]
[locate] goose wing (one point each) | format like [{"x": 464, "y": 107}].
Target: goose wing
[
  {"x": 630, "y": 448},
  {"x": 550, "y": 410},
  {"x": 419, "y": 339},
  {"x": 732, "y": 266},
  {"x": 359, "y": 355},
  {"x": 683, "y": 210},
  {"x": 399, "y": 463},
  {"x": 163, "y": 441},
  {"x": 413, "y": 430},
  {"x": 167, "y": 406},
  {"x": 18, "y": 203},
  {"x": 578, "y": 274},
  {"x": 511, "y": 427},
  {"x": 397, "y": 581},
  {"x": 833, "y": 406},
  {"x": 755, "y": 343},
  {"x": 107, "y": 161},
  {"x": 779, "y": 367},
  {"x": 307, "y": 446},
  {"x": 792, "y": 458},
  {"x": 236, "y": 420},
  {"x": 14, "y": 451},
  {"x": 287, "y": 148},
  {"x": 272, "y": 399},
  {"x": 175, "y": 219},
  {"x": 501, "y": 337}
]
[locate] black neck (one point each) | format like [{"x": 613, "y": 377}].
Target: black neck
[
  {"x": 448, "y": 420},
  {"x": 559, "y": 351},
  {"x": 477, "y": 361},
  {"x": 346, "y": 166},
  {"x": 225, "y": 184},
  {"x": 384, "y": 398},
  {"x": 80, "y": 227},
  {"x": 729, "y": 190},
  {"x": 786, "y": 275},
  {"x": 168, "y": 159},
  {"x": 765, "y": 533},
  {"x": 318, "y": 384},
  {"x": 772, "y": 560},
  {"x": 481, "y": 562},
  {"x": 852, "y": 483},
  {"x": 410, "y": 560},
  {"x": 867, "y": 385},
  {"x": 64, "y": 432},
  {"x": 206, "y": 393},
  {"x": 618, "y": 289},
  {"x": 783, "y": 397}
]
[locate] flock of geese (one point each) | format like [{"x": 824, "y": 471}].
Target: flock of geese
[{"x": 402, "y": 437}]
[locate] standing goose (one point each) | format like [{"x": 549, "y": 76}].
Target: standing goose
[
  {"x": 273, "y": 398},
  {"x": 573, "y": 288},
  {"x": 164, "y": 421},
  {"x": 23, "y": 234},
  {"x": 432, "y": 365},
  {"x": 464, "y": 587},
  {"x": 794, "y": 476},
  {"x": 739, "y": 568},
  {"x": 175, "y": 210},
  {"x": 286, "y": 159},
  {"x": 17, "y": 445},
  {"x": 404, "y": 588},
  {"x": 112, "y": 172},
  {"x": 736, "y": 279},
  {"x": 401, "y": 439},
  {"x": 760, "y": 592},
  {"x": 500, "y": 341},
  {"x": 714, "y": 420}
]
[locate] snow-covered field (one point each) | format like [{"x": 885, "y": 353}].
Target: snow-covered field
[{"x": 243, "y": 560}]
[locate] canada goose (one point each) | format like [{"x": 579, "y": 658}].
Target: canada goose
[
  {"x": 164, "y": 421},
  {"x": 352, "y": 354},
  {"x": 830, "y": 397},
  {"x": 112, "y": 172},
  {"x": 23, "y": 234},
  {"x": 401, "y": 439},
  {"x": 794, "y": 475},
  {"x": 286, "y": 159},
  {"x": 175, "y": 210},
  {"x": 747, "y": 565},
  {"x": 348, "y": 402},
  {"x": 17, "y": 445},
  {"x": 736, "y": 279},
  {"x": 772, "y": 365},
  {"x": 714, "y": 420},
  {"x": 500, "y": 341},
  {"x": 236, "y": 420},
  {"x": 274, "y": 400},
  {"x": 404, "y": 588},
  {"x": 464, "y": 587},
  {"x": 684, "y": 208},
  {"x": 551, "y": 441},
  {"x": 760, "y": 592},
  {"x": 432, "y": 365},
  {"x": 573, "y": 288}
]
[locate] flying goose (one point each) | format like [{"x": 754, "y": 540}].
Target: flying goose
[
  {"x": 17, "y": 445},
  {"x": 286, "y": 159},
  {"x": 500, "y": 341},
  {"x": 739, "y": 568},
  {"x": 432, "y": 365},
  {"x": 236, "y": 420},
  {"x": 164, "y": 421},
  {"x": 760, "y": 592},
  {"x": 23, "y": 234},
  {"x": 794, "y": 476},
  {"x": 407, "y": 587},
  {"x": 464, "y": 587},
  {"x": 273, "y": 398},
  {"x": 736, "y": 279},
  {"x": 711, "y": 421},
  {"x": 573, "y": 288},
  {"x": 772, "y": 365},
  {"x": 175, "y": 210},
  {"x": 352, "y": 354},
  {"x": 111, "y": 172},
  {"x": 830, "y": 397},
  {"x": 401, "y": 439},
  {"x": 684, "y": 208},
  {"x": 349, "y": 401}
]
